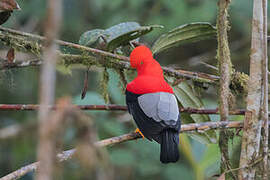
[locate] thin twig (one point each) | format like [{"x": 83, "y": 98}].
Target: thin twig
[
  {"x": 123, "y": 138},
  {"x": 64, "y": 43},
  {"x": 248, "y": 166},
  {"x": 112, "y": 107},
  {"x": 70, "y": 59},
  {"x": 208, "y": 65},
  {"x": 21, "y": 172},
  {"x": 21, "y": 64}
]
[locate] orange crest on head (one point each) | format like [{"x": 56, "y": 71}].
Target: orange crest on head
[{"x": 139, "y": 55}]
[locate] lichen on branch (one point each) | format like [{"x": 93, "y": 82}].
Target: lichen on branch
[
  {"x": 225, "y": 71},
  {"x": 33, "y": 43}
]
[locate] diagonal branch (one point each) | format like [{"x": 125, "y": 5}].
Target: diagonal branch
[
  {"x": 33, "y": 43},
  {"x": 65, "y": 155}
]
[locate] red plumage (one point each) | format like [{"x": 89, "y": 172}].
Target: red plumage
[
  {"x": 151, "y": 102},
  {"x": 148, "y": 70}
]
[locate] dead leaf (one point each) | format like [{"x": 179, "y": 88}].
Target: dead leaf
[
  {"x": 11, "y": 55},
  {"x": 85, "y": 84}
]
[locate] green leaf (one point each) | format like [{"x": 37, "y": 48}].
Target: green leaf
[
  {"x": 186, "y": 149},
  {"x": 115, "y": 36},
  {"x": 187, "y": 33},
  {"x": 210, "y": 157},
  {"x": 187, "y": 98},
  {"x": 122, "y": 28},
  {"x": 92, "y": 38},
  {"x": 123, "y": 33}
]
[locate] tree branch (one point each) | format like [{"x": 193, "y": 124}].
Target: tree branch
[
  {"x": 112, "y": 107},
  {"x": 21, "y": 64},
  {"x": 65, "y": 155},
  {"x": 32, "y": 43},
  {"x": 225, "y": 71},
  {"x": 49, "y": 124},
  {"x": 265, "y": 131}
]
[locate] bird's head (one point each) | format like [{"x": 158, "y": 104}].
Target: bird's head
[{"x": 140, "y": 55}]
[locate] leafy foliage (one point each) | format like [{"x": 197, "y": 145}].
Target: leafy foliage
[
  {"x": 115, "y": 36},
  {"x": 79, "y": 16},
  {"x": 92, "y": 38},
  {"x": 187, "y": 97},
  {"x": 184, "y": 34}
]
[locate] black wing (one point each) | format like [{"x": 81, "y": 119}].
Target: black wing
[{"x": 150, "y": 128}]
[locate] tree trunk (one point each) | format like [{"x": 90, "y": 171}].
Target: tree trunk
[
  {"x": 225, "y": 68},
  {"x": 253, "y": 120}
]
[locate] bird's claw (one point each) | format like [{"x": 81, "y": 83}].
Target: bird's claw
[{"x": 138, "y": 131}]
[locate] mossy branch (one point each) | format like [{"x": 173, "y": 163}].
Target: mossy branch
[
  {"x": 225, "y": 71},
  {"x": 65, "y": 155},
  {"x": 89, "y": 56},
  {"x": 256, "y": 98},
  {"x": 34, "y": 44}
]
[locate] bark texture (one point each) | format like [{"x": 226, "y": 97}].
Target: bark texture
[
  {"x": 253, "y": 120},
  {"x": 225, "y": 70},
  {"x": 265, "y": 127},
  {"x": 65, "y": 155},
  {"x": 47, "y": 147}
]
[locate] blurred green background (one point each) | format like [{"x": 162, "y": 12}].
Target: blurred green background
[{"x": 136, "y": 159}]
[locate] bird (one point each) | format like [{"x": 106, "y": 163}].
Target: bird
[
  {"x": 6, "y": 8},
  {"x": 152, "y": 103}
]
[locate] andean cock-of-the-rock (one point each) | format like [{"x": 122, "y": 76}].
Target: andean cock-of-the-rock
[{"x": 153, "y": 105}]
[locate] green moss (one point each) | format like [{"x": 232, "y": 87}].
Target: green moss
[
  {"x": 21, "y": 43},
  {"x": 122, "y": 79},
  {"x": 104, "y": 85},
  {"x": 239, "y": 82},
  {"x": 88, "y": 60}
]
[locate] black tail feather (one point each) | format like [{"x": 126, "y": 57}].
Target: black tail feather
[{"x": 169, "y": 146}]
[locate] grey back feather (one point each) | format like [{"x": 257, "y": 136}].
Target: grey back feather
[{"x": 160, "y": 106}]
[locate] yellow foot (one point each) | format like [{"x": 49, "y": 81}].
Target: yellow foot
[{"x": 138, "y": 131}]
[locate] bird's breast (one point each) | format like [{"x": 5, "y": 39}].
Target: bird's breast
[{"x": 148, "y": 84}]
